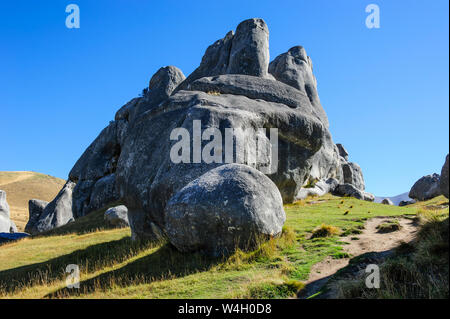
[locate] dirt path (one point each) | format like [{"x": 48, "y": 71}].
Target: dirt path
[{"x": 369, "y": 241}]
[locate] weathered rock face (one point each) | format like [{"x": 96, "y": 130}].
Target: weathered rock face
[
  {"x": 387, "y": 201},
  {"x": 353, "y": 175},
  {"x": 57, "y": 213},
  {"x": 249, "y": 53},
  {"x": 246, "y": 52},
  {"x": 295, "y": 69},
  {"x": 35, "y": 209},
  {"x": 227, "y": 207},
  {"x": 342, "y": 151},
  {"x": 117, "y": 216},
  {"x": 444, "y": 178},
  {"x": 4, "y": 207},
  {"x": 426, "y": 187},
  {"x": 6, "y": 224}
]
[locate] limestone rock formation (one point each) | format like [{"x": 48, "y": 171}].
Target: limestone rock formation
[
  {"x": 387, "y": 201},
  {"x": 444, "y": 178},
  {"x": 35, "y": 209},
  {"x": 235, "y": 87},
  {"x": 57, "y": 213},
  {"x": 117, "y": 216},
  {"x": 6, "y": 224},
  {"x": 230, "y": 206},
  {"x": 426, "y": 187}
]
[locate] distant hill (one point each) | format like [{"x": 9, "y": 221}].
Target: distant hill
[
  {"x": 395, "y": 199},
  {"x": 20, "y": 187}
]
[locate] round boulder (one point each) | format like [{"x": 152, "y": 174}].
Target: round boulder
[
  {"x": 228, "y": 207},
  {"x": 387, "y": 201},
  {"x": 117, "y": 216},
  {"x": 426, "y": 188}
]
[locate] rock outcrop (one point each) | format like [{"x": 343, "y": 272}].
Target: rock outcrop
[
  {"x": 117, "y": 216},
  {"x": 230, "y": 206},
  {"x": 387, "y": 201},
  {"x": 6, "y": 224},
  {"x": 272, "y": 105},
  {"x": 444, "y": 178},
  {"x": 57, "y": 213},
  {"x": 35, "y": 209},
  {"x": 426, "y": 187}
]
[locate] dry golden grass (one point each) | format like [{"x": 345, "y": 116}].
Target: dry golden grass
[{"x": 20, "y": 187}]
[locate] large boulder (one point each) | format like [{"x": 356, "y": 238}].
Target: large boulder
[
  {"x": 35, "y": 209},
  {"x": 426, "y": 187},
  {"x": 387, "y": 201},
  {"x": 353, "y": 175},
  {"x": 117, "y": 216},
  {"x": 444, "y": 178},
  {"x": 6, "y": 224},
  {"x": 57, "y": 213},
  {"x": 228, "y": 207}
]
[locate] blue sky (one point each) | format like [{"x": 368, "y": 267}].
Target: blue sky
[{"x": 385, "y": 90}]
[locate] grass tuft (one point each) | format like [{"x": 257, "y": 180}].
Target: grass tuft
[{"x": 325, "y": 231}]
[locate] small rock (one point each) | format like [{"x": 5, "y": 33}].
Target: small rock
[
  {"x": 352, "y": 191},
  {"x": 406, "y": 202},
  {"x": 117, "y": 216}
]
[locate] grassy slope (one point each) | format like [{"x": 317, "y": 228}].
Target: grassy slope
[
  {"x": 114, "y": 267},
  {"x": 20, "y": 187}
]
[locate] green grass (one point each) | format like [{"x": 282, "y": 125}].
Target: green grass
[{"x": 112, "y": 266}]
